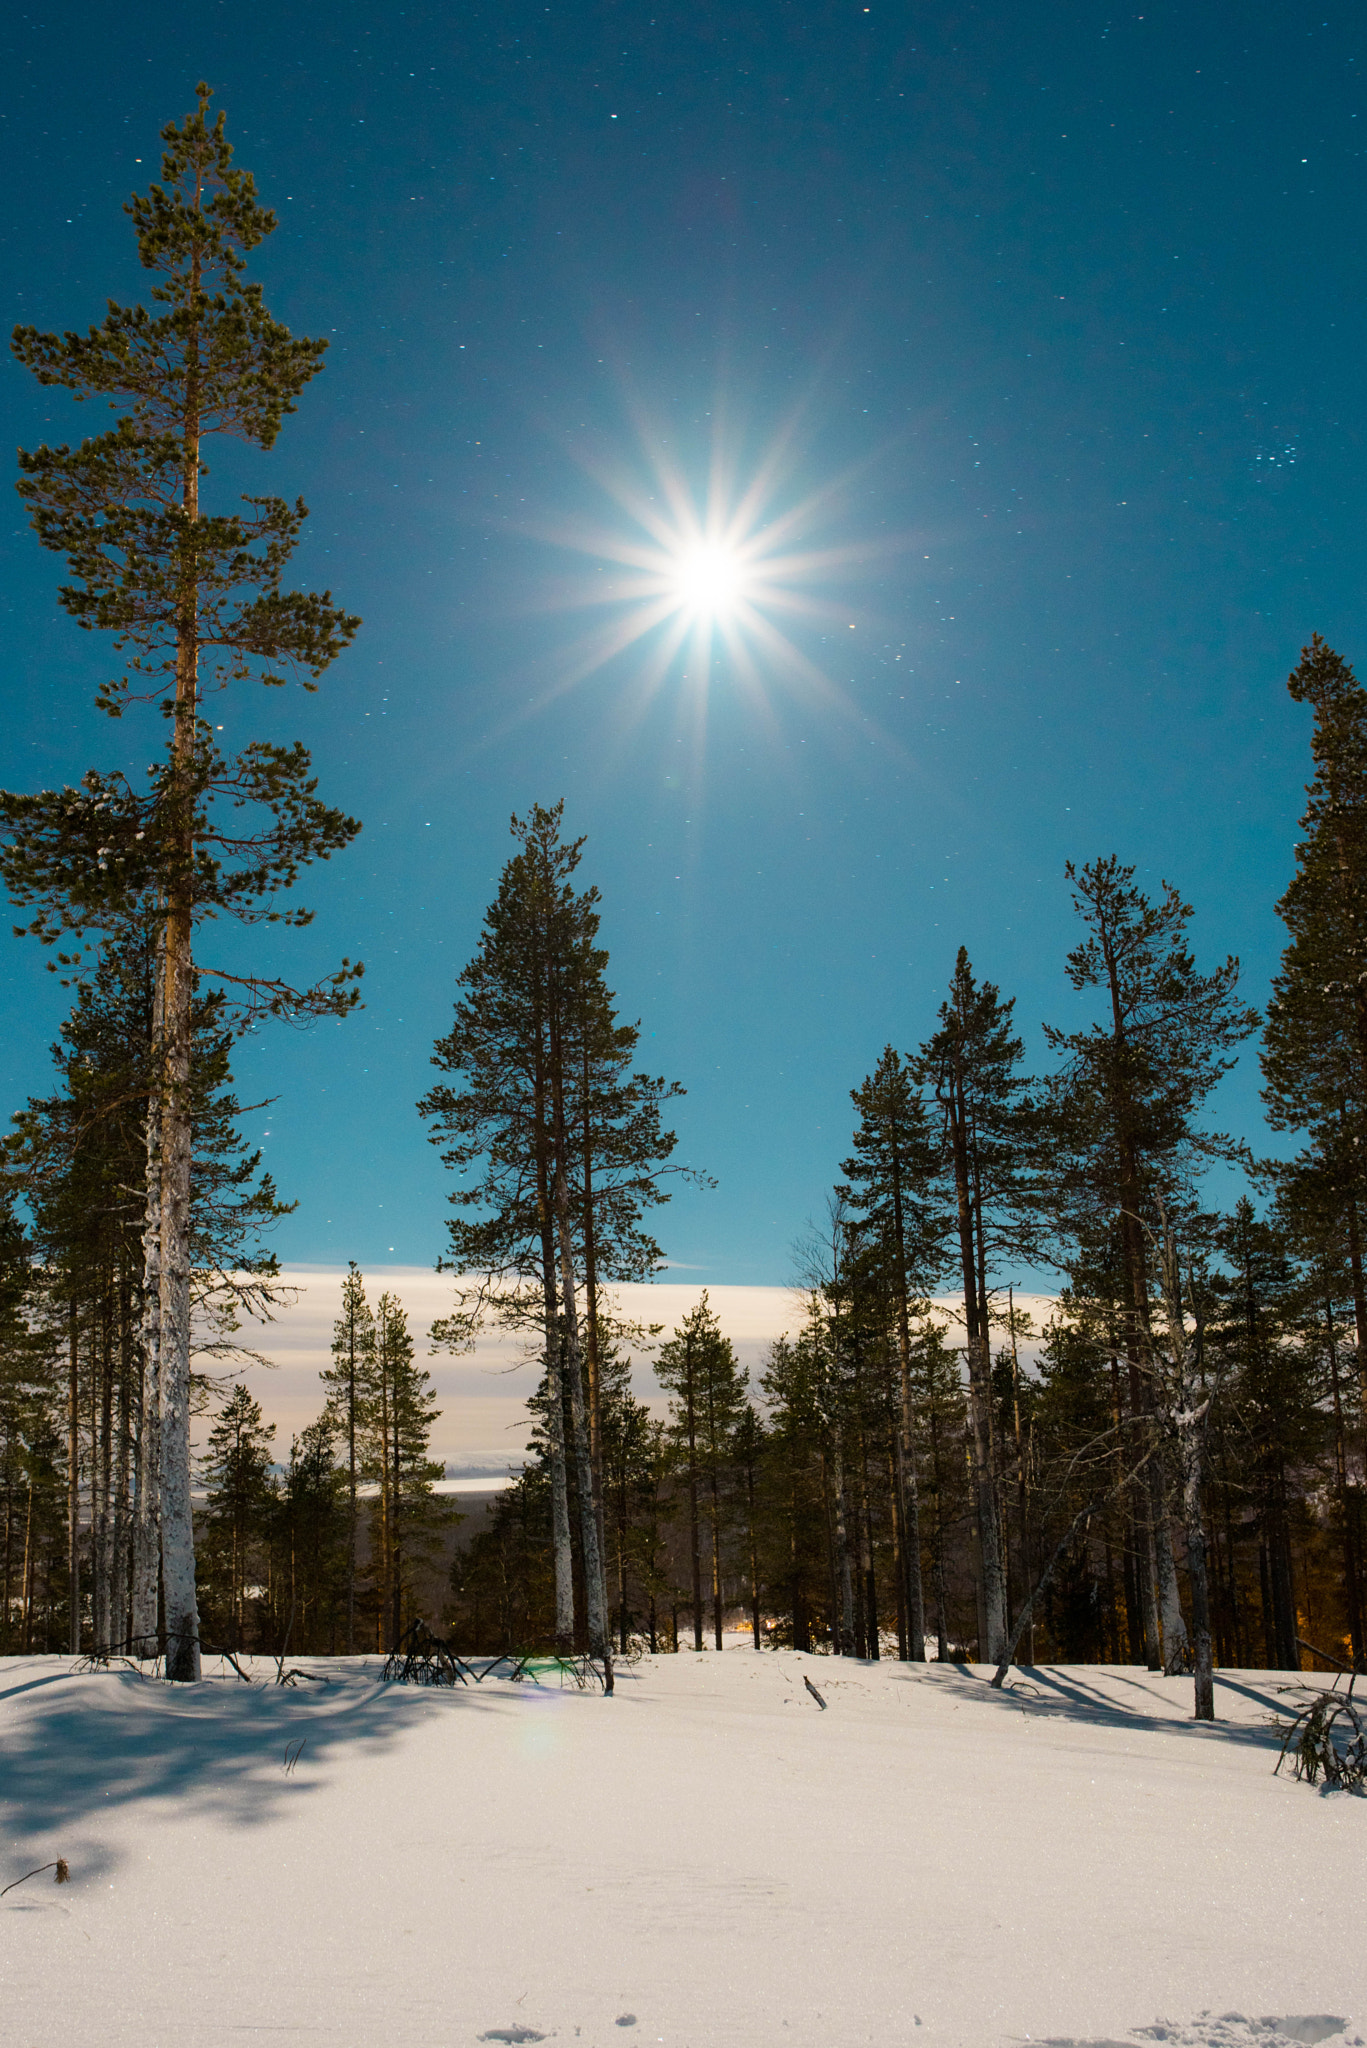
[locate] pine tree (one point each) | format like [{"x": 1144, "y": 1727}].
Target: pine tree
[
  {"x": 790, "y": 1384},
  {"x": 79, "y": 1160},
  {"x": 1125, "y": 1102},
  {"x": 353, "y": 1351},
  {"x": 309, "y": 1533},
  {"x": 560, "y": 1146},
  {"x": 748, "y": 1445},
  {"x": 1315, "y": 1043},
  {"x": 236, "y": 1467},
  {"x": 32, "y": 1461},
  {"x": 973, "y": 1063},
  {"x": 890, "y": 1173},
  {"x": 398, "y": 1413},
  {"x": 195, "y": 602},
  {"x": 699, "y": 1367}
]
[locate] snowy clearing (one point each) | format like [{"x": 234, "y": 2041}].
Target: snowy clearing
[{"x": 706, "y": 1858}]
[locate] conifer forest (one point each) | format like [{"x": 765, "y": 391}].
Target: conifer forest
[{"x": 1164, "y": 1469}]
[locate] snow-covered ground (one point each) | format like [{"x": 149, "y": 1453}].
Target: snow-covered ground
[{"x": 706, "y": 1858}]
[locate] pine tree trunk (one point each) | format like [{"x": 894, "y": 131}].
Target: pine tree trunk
[
  {"x": 119, "y": 1591},
  {"x": 562, "y": 1547},
  {"x": 694, "y": 1541},
  {"x": 991, "y": 1580},
  {"x": 595, "y": 1591},
  {"x": 715, "y": 1506},
  {"x": 147, "y": 1524},
  {"x": 908, "y": 1494},
  {"x": 989, "y": 1527},
  {"x": 28, "y": 1570},
  {"x": 1352, "y": 1584},
  {"x": 104, "y": 1464},
  {"x": 754, "y": 1556},
  {"x": 73, "y": 1480},
  {"x": 842, "y": 1547},
  {"x": 177, "y": 1524},
  {"x": 177, "y": 1518}
]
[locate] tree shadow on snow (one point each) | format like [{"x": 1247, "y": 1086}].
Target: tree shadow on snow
[
  {"x": 77, "y": 1748},
  {"x": 1121, "y": 1698}
]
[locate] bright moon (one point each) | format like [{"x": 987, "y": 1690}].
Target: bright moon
[{"x": 709, "y": 578}]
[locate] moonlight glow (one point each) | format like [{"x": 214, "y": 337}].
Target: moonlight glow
[
  {"x": 732, "y": 585},
  {"x": 710, "y": 578}
]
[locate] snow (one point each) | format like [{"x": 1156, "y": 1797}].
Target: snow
[{"x": 705, "y": 1859}]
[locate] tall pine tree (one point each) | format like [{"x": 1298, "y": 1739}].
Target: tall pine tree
[{"x": 195, "y": 602}]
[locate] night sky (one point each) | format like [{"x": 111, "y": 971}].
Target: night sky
[{"x": 1043, "y": 328}]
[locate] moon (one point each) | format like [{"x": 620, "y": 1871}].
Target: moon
[{"x": 709, "y": 579}]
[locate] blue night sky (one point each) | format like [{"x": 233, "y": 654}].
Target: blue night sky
[{"x": 1041, "y": 328}]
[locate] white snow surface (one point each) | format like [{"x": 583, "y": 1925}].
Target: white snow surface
[{"x": 706, "y": 1858}]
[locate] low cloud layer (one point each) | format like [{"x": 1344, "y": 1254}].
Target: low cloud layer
[{"x": 483, "y": 1424}]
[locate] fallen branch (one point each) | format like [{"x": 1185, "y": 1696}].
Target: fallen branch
[
  {"x": 1316, "y": 1752},
  {"x": 230, "y": 1657},
  {"x": 813, "y": 1691},
  {"x": 1315, "y": 1651}
]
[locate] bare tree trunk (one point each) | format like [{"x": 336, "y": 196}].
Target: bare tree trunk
[
  {"x": 73, "y": 1480},
  {"x": 908, "y": 1495},
  {"x": 993, "y": 1588},
  {"x": 754, "y": 1555},
  {"x": 119, "y": 1589},
  {"x": 1176, "y": 1646},
  {"x": 595, "y": 1592},
  {"x": 147, "y": 1526},
  {"x": 715, "y": 1518},
  {"x": 177, "y": 1515},
  {"x": 842, "y": 1547},
  {"x": 28, "y": 1570},
  {"x": 177, "y": 1523},
  {"x": 102, "y": 1469},
  {"x": 695, "y": 1547},
  {"x": 1196, "y": 1569}
]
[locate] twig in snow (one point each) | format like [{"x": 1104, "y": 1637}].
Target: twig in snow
[
  {"x": 293, "y": 1752},
  {"x": 230, "y": 1657},
  {"x": 813, "y": 1691},
  {"x": 61, "y": 1867}
]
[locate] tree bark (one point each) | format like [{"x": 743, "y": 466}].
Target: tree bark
[
  {"x": 147, "y": 1526},
  {"x": 177, "y": 1523},
  {"x": 979, "y": 1392},
  {"x": 842, "y": 1546},
  {"x": 73, "y": 1482},
  {"x": 690, "y": 1400},
  {"x": 908, "y": 1493}
]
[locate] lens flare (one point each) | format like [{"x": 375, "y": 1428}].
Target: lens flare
[{"x": 707, "y": 572}]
